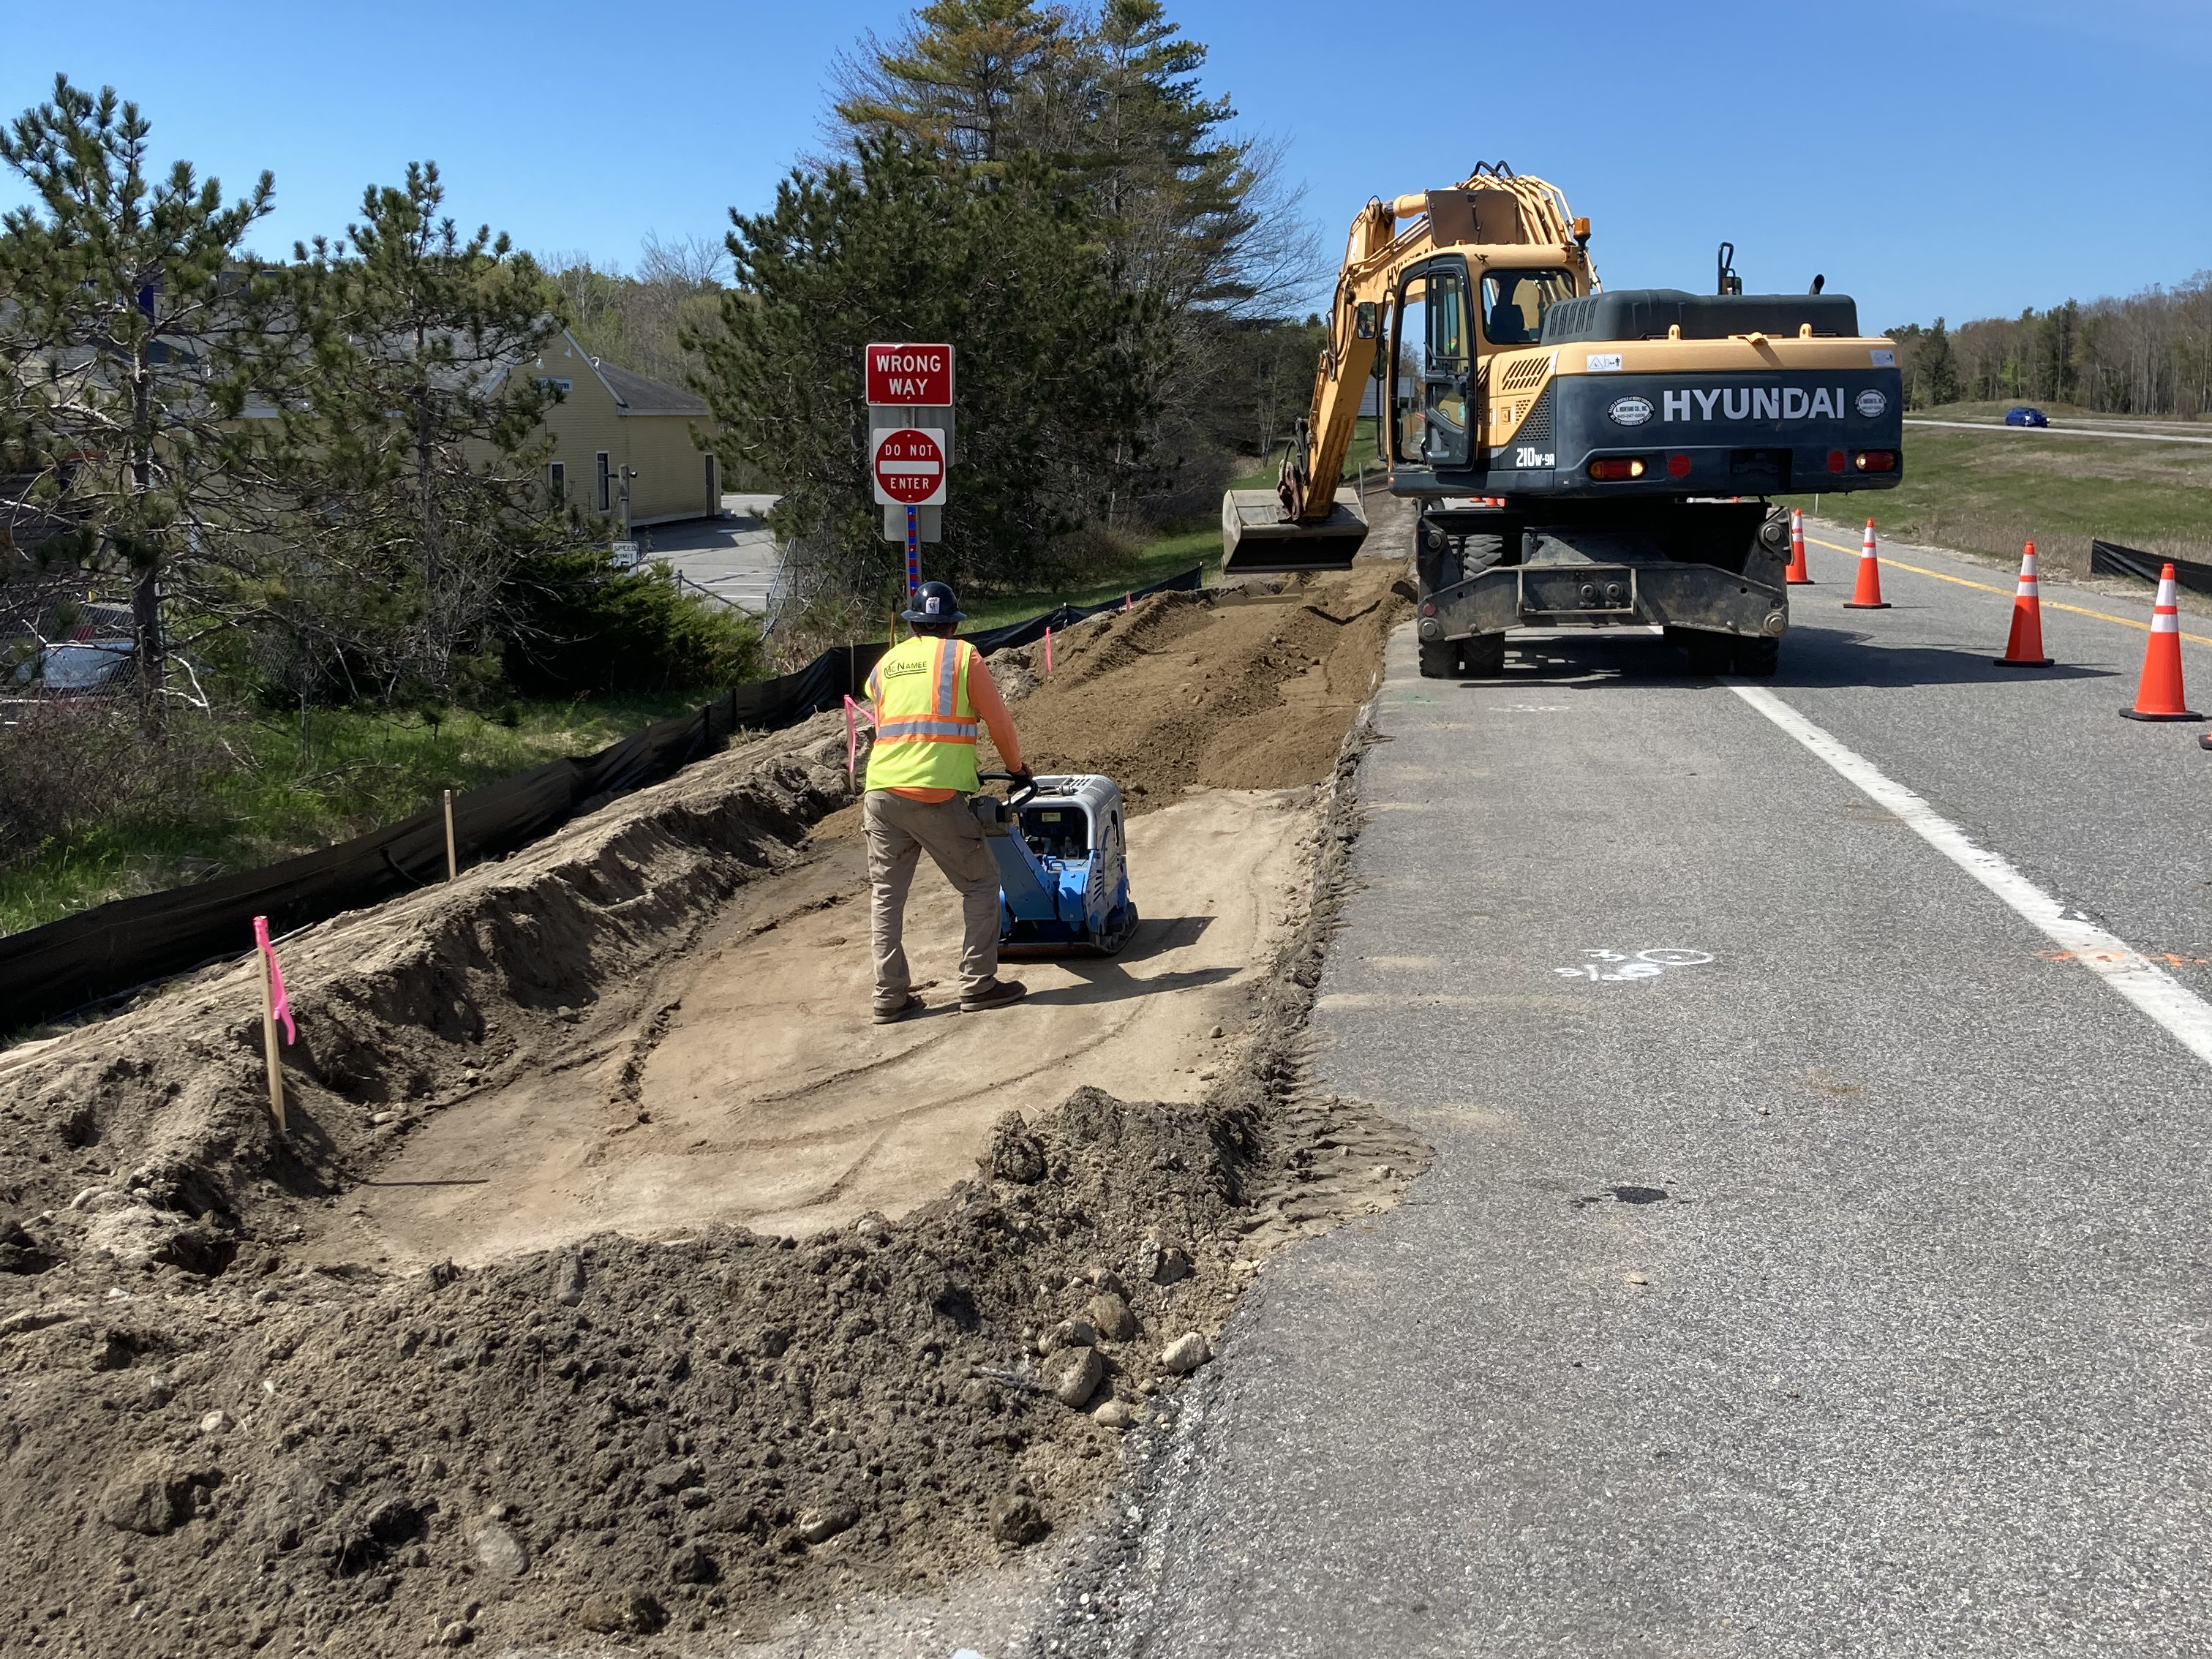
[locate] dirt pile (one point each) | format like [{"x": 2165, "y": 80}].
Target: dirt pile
[
  {"x": 1250, "y": 692},
  {"x": 220, "y": 1438},
  {"x": 150, "y": 1136},
  {"x": 613, "y": 1438}
]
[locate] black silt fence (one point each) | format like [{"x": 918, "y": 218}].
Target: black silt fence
[
  {"x": 112, "y": 948},
  {"x": 2111, "y": 559}
]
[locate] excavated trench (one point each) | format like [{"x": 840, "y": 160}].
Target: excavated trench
[{"x": 615, "y": 1275}]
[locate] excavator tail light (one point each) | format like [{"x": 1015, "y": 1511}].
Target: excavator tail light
[
  {"x": 1678, "y": 467},
  {"x": 1613, "y": 468},
  {"x": 1875, "y": 460},
  {"x": 1835, "y": 460}
]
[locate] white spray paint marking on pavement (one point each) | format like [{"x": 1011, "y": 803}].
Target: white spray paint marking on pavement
[
  {"x": 1615, "y": 966},
  {"x": 2183, "y": 1014}
]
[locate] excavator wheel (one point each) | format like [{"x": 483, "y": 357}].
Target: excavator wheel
[
  {"x": 1757, "y": 659},
  {"x": 1482, "y": 656},
  {"x": 1710, "y": 653},
  {"x": 1440, "y": 659}
]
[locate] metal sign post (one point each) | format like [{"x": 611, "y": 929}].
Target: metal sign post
[{"x": 912, "y": 550}]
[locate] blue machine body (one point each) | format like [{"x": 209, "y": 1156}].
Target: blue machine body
[{"x": 1063, "y": 866}]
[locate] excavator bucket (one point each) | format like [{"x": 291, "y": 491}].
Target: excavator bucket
[{"x": 1255, "y": 537}]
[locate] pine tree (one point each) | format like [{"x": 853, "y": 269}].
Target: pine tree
[
  {"x": 1937, "y": 370},
  {"x": 964, "y": 82},
  {"x": 1054, "y": 365},
  {"x": 137, "y": 340},
  {"x": 420, "y": 438}
]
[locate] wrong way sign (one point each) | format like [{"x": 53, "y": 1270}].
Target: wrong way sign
[{"x": 909, "y": 466}]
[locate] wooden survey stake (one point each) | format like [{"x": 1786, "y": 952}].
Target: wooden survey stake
[
  {"x": 269, "y": 1042},
  {"x": 452, "y": 868}
]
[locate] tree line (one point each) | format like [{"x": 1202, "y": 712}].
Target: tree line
[{"x": 2148, "y": 353}]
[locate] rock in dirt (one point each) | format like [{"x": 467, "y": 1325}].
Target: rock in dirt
[
  {"x": 458, "y": 1634},
  {"x": 1111, "y": 1314},
  {"x": 567, "y": 1280},
  {"x": 1185, "y": 1354},
  {"x": 1116, "y": 1414},
  {"x": 820, "y": 1526},
  {"x": 1015, "y": 1155},
  {"x": 1073, "y": 1375},
  {"x": 1162, "y": 1263},
  {"x": 20, "y": 1252},
  {"x": 153, "y": 1497},
  {"x": 692, "y": 1566},
  {"x": 114, "y": 1351},
  {"x": 502, "y": 1552},
  {"x": 636, "y": 1614},
  {"x": 1068, "y": 1333},
  {"x": 1015, "y": 1519}
]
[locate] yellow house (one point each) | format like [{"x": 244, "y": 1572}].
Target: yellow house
[{"x": 622, "y": 446}]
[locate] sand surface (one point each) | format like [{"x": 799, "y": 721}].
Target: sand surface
[{"x": 756, "y": 1089}]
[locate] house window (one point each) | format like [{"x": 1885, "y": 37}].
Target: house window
[
  {"x": 713, "y": 500},
  {"x": 606, "y": 501},
  {"x": 558, "y": 484}
]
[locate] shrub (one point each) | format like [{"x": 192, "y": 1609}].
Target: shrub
[{"x": 584, "y": 627}]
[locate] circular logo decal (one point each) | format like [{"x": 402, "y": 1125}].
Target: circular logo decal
[
  {"x": 1630, "y": 411},
  {"x": 1871, "y": 403}
]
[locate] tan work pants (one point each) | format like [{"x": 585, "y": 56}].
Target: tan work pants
[{"x": 899, "y": 832}]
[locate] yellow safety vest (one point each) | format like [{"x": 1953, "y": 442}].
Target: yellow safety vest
[{"x": 924, "y": 725}]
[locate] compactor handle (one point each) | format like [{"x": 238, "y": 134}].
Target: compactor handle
[{"x": 1024, "y": 784}]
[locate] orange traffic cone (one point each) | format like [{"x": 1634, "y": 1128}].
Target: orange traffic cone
[
  {"x": 2025, "y": 648},
  {"x": 1867, "y": 596},
  {"x": 1798, "y": 575},
  {"x": 2158, "y": 694}
]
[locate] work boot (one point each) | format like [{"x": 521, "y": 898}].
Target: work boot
[
  {"x": 892, "y": 1016},
  {"x": 1000, "y": 993}
]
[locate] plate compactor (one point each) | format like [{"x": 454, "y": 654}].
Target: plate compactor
[{"x": 1063, "y": 866}]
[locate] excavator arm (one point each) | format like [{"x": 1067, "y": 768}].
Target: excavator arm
[{"x": 1307, "y": 523}]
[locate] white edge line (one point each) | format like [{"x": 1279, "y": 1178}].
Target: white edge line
[{"x": 2185, "y": 1015}]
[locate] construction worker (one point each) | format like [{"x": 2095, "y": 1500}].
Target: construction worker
[{"x": 928, "y": 694}]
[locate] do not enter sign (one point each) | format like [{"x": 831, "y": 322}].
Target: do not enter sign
[{"x": 909, "y": 466}]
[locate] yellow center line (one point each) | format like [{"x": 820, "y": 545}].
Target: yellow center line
[{"x": 2048, "y": 604}]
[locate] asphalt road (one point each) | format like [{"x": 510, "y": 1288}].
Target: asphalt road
[{"x": 1840, "y": 1287}]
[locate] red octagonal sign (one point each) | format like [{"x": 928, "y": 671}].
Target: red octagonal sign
[{"x": 909, "y": 467}]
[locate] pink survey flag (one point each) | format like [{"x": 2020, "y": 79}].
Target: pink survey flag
[{"x": 279, "y": 1005}]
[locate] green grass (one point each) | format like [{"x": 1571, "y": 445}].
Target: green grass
[
  {"x": 274, "y": 786},
  {"x": 1156, "y": 560},
  {"x": 1987, "y": 495}
]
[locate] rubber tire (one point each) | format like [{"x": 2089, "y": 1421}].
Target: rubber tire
[
  {"x": 1709, "y": 652},
  {"x": 1482, "y": 656},
  {"x": 1440, "y": 659},
  {"x": 1757, "y": 659}
]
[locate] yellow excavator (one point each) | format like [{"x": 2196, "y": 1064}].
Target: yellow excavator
[{"x": 1583, "y": 457}]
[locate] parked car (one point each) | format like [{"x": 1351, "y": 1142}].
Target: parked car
[
  {"x": 77, "y": 667},
  {"x": 2023, "y": 416}
]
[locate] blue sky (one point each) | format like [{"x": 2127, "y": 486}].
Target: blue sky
[{"x": 1966, "y": 157}]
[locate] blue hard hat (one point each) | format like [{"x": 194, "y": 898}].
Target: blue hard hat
[{"x": 933, "y": 603}]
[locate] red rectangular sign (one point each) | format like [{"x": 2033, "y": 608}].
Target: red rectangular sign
[{"x": 909, "y": 373}]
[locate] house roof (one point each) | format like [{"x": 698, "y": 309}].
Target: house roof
[{"x": 640, "y": 396}]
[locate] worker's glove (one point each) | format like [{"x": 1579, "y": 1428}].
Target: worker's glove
[{"x": 1024, "y": 778}]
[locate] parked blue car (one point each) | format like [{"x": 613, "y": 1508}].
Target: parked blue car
[{"x": 2026, "y": 416}]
